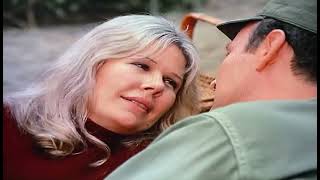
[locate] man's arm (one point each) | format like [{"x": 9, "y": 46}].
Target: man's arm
[{"x": 195, "y": 148}]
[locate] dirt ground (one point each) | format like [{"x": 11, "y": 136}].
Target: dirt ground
[{"x": 27, "y": 52}]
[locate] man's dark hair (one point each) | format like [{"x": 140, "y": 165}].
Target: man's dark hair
[{"x": 303, "y": 43}]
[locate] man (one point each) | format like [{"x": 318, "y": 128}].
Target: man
[{"x": 263, "y": 123}]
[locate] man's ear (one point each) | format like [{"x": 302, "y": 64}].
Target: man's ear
[{"x": 269, "y": 48}]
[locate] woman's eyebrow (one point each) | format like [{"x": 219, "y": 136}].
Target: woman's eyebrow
[
  {"x": 177, "y": 76},
  {"x": 174, "y": 74},
  {"x": 151, "y": 60}
]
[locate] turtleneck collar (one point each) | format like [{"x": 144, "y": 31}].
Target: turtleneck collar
[{"x": 102, "y": 133}]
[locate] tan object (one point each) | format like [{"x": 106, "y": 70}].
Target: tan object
[
  {"x": 188, "y": 24},
  {"x": 189, "y": 21},
  {"x": 206, "y": 92}
]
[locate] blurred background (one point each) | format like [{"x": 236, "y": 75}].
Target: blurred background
[{"x": 36, "y": 32}]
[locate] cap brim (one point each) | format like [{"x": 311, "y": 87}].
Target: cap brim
[{"x": 231, "y": 28}]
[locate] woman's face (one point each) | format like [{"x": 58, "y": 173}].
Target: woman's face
[{"x": 131, "y": 94}]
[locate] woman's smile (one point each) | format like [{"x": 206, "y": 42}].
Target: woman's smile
[{"x": 142, "y": 103}]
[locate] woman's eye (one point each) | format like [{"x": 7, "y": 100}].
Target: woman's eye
[
  {"x": 171, "y": 83},
  {"x": 142, "y": 66}
]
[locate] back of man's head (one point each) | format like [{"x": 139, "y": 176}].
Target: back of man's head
[
  {"x": 298, "y": 19},
  {"x": 284, "y": 71}
]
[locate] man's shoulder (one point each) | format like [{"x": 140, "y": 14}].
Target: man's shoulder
[
  {"x": 263, "y": 105},
  {"x": 277, "y": 109},
  {"x": 263, "y": 131},
  {"x": 284, "y": 118},
  {"x": 256, "y": 112}
]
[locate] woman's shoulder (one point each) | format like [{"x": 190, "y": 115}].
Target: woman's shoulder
[
  {"x": 10, "y": 125},
  {"x": 7, "y": 116}
]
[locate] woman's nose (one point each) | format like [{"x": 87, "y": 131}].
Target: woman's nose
[{"x": 154, "y": 84}]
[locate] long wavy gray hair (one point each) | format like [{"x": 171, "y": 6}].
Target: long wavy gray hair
[{"x": 54, "y": 108}]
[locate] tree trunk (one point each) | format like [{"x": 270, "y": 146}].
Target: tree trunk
[
  {"x": 154, "y": 7},
  {"x": 31, "y": 19},
  {"x": 197, "y": 5}
]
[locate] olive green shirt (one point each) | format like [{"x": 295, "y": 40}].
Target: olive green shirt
[{"x": 248, "y": 141}]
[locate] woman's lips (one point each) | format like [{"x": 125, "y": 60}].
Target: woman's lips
[{"x": 143, "y": 103}]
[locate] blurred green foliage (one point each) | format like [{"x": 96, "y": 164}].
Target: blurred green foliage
[{"x": 24, "y": 13}]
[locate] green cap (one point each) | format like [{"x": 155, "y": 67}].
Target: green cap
[{"x": 300, "y": 13}]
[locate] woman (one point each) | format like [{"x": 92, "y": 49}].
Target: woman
[{"x": 103, "y": 101}]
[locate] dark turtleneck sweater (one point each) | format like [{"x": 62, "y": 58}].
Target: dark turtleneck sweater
[{"x": 22, "y": 160}]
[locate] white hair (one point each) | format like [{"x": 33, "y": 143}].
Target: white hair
[{"x": 54, "y": 108}]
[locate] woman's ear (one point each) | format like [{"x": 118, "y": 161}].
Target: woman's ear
[{"x": 269, "y": 48}]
